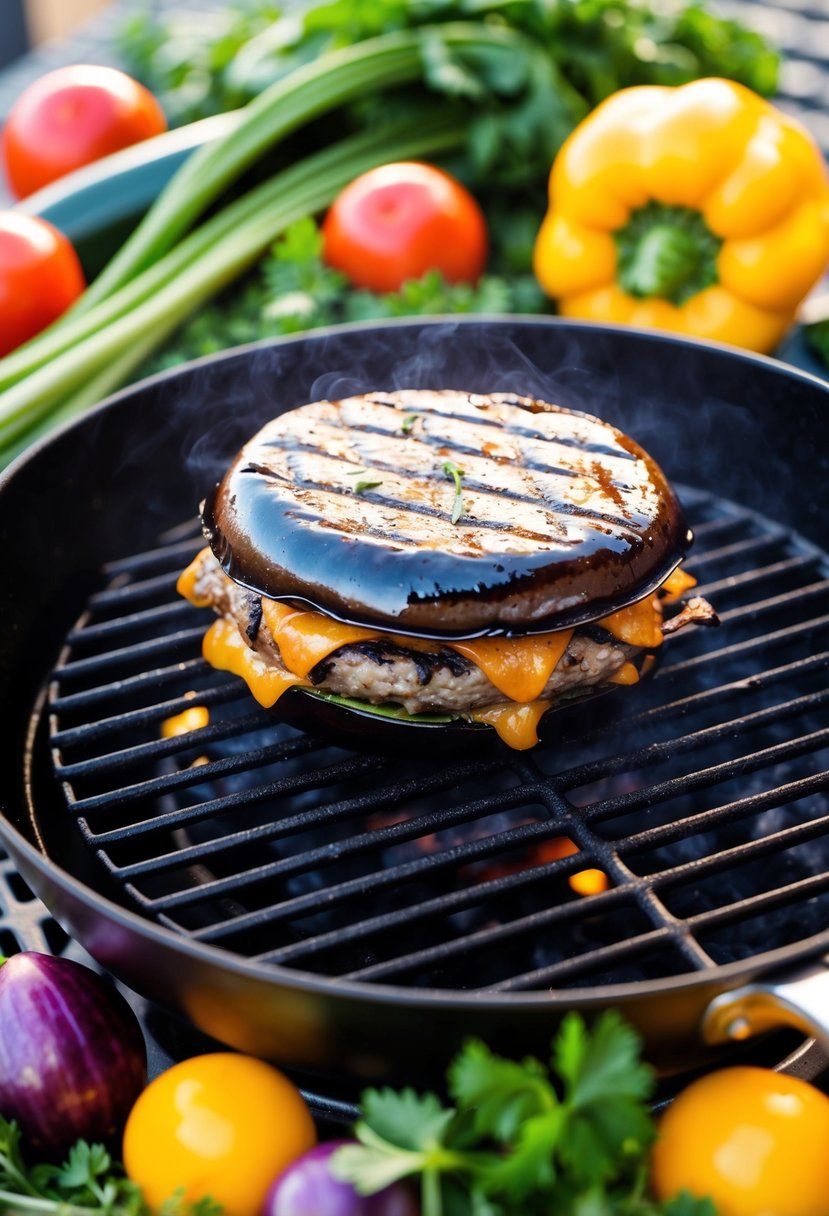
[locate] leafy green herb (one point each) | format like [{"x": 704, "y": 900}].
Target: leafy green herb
[
  {"x": 88, "y": 1183},
  {"x": 817, "y": 336},
  {"x": 569, "y": 1138},
  {"x": 292, "y": 290},
  {"x": 407, "y": 423},
  {"x": 451, "y": 470},
  {"x": 203, "y": 63},
  {"x": 361, "y": 486}
]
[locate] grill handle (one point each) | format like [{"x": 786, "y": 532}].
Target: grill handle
[{"x": 797, "y": 998}]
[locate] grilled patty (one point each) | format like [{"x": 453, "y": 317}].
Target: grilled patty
[
  {"x": 437, "y": 681},
  {"x": 446, "y": 513}
]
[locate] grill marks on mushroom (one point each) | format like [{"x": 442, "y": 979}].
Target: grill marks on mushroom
[{"x": 346, "y": 506}]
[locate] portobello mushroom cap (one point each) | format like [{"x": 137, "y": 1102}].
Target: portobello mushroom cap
[{"x": 446, "y": 514}]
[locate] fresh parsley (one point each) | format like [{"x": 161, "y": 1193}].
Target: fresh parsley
[
  {"x": 88, "y": 1183},
  {"x": 450, "y": 469},
  {"x": 205, "y": 61},
  {"x": 569, "y": 1137},
  {"x": 293, "y": 290}
]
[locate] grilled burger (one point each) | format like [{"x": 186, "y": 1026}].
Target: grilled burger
[{"x": 441, "y": 553}]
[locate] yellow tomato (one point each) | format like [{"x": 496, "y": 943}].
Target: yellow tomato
[
  {"x": 754, "y": 1141},
  {"x": 222, "y": 1125}
]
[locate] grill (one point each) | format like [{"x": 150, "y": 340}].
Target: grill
[
  {"x": 697, "y": 802},
  {"x": 343, "y": 909}
]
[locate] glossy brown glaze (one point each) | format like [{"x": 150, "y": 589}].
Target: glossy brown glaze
[{"x": 348, "y": 506}]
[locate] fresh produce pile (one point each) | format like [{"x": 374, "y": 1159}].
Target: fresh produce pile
[
  {"x": 322, "y": 95},
  {"x": 82, "y": 1132}
]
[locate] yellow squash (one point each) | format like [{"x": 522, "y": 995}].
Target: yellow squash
[{"x": 700, "y": 209}]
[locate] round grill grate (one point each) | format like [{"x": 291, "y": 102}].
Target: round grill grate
[{"x": 697, "y": 802}]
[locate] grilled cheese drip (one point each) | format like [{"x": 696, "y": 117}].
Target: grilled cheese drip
[
  {"x": 515, "y": 725},
  {"x": 518, "y": 667},
  {"x": 186, "y": 584},
  {"x": 224, "y": 648},
  {"x": 676, "y": 584},
  {"x": 627, "y": 674},
  {"x": 639, "y": 624},
  {"x": 306, "y": 638}
]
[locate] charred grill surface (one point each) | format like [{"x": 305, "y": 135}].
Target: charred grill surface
[{"x": 348, "y": 506}]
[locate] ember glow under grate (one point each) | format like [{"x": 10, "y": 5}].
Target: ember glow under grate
[{"x": 698, "y": 801}]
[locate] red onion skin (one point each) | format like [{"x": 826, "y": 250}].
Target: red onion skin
[
  {"x": 72, "y": 1055},
  {"x": 307, "y": 1188}
]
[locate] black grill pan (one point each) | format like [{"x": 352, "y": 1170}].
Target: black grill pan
[{"x": 175, "y": 886}]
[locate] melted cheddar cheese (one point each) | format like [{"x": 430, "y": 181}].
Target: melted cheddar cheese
[
  {"x": 627, "y": 674},
  {"x": 515, "y": 725},
  {"x": 224, "y": 648},
  {"x": 306, "y": 638},
  {"x": 518, "y": 667},
  {"x": 676, "y": 585}
]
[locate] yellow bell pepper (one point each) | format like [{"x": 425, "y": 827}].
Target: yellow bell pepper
[{"x": 700, "y": 209}]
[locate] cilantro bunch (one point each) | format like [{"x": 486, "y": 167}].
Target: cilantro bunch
[
  {"x": 88, "y": 1183},
  {"x": 566, "y": 1138}
]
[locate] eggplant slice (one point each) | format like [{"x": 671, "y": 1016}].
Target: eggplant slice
[{"x": 446, "y": 514}]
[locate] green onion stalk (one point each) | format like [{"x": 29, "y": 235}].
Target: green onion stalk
[
  {"x": 353, "y": 73},
  {"x": 168, "y": 268},
  {"x": 103, "y": 347}
]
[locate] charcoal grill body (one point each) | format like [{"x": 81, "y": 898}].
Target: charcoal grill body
[{"x": 749, "y": 429}]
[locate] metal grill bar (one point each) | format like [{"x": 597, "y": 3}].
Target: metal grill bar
[
  {"x": 764, "y": 643},
  {"x": 315, "y": 779},
  {"x": 365, "y": 842},
  {"x": 113, "y": 727},
  {"x": 115, "y": 762},
  {"x": 129, "y": 689},
  {"x": 490, "y": 891},
  {"x": 163, "y": 618},
  {"x": 266, "y": 841},
  {"x": 705, "y": 778},
  {"x": 634, "y": 884},
  {"x": 181, "y": 779},
  {"x": 140, "y": 654},
  {"x": 330, "y": 813}
]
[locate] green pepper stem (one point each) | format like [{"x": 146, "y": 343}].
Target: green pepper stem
[{"x": 666, "y": 252}]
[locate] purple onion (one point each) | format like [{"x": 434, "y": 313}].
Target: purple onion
[
  {"x": 72, "y": 1055},
  {"x": 307, "y": 1186}
]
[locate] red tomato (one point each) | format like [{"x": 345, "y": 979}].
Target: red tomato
[
  {"x": 71, "y": 117},
  {"x": 400, "y": 220},
  {"x": 40, "y": 276}
]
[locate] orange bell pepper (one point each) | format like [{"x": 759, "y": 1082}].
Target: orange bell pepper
[{"x": 700, "y": 209}]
